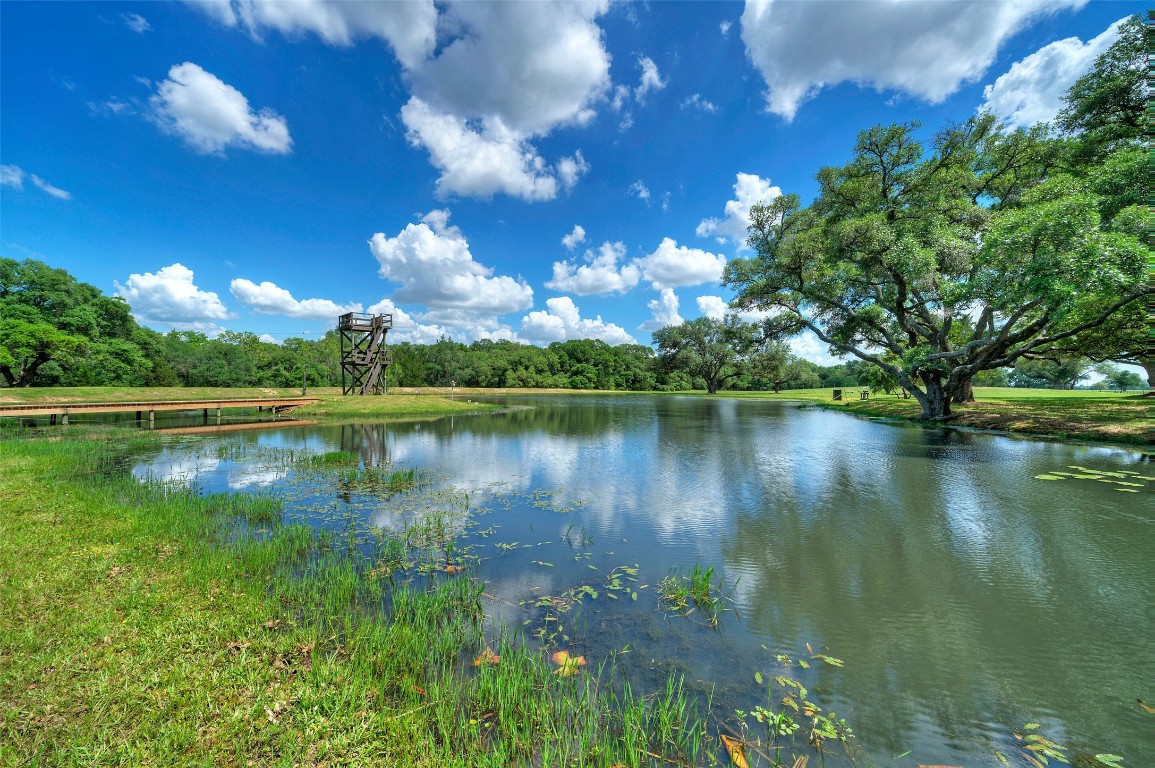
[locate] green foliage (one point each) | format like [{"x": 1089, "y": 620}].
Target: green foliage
[
  {"x": 696, "y": 590},
  {"x": 1056, "y": 373},
  {"x": 901, "y": 247},
  {"x": 1107, "y": 106},
  {"x": 715, "y": 350},
  {"x": 1119, "y": 379}
]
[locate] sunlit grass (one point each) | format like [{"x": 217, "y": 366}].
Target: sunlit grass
[
  {"x": 1077, "y": 414},
  {"x": 141, "y": 625}
]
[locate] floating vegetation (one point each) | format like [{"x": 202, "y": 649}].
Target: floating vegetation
[
  {"x": 790, "y": 714},
  {"x": 1131, "y": 480},
  {"x": 696, "y": 590}
]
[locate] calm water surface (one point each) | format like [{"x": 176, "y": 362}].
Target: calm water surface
[{"x": 965, "y": 596}]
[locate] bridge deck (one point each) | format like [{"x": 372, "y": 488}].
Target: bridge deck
[{"x": 62, "y": 409}]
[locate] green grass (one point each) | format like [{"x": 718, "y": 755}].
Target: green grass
[
  {"x": 1069, "y": 414},
  {"x": 138, "y": 628},
  {"x": 332, "y": 406},
  {"x": 394, "y": 405}
]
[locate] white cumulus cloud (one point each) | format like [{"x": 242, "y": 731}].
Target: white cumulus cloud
[
  {"x": 663, "y": 311},
  {"x": 171, "y": 297},
  {"x": 270, "y": 299},
  {"x": 1032, "y": 90},
  {"x": 600, "y": 274},
  {"x": 570, "y": 241},
  {"x": 809, "y": 347},
  {"x": 748, "y": 190},
  {"x": 485, "y": 79},
  {"x": 432, "y": 262},
  {"x": 534, "y": 65},
  {"x": 406, "y": 327},
  {"x": 511, "y": 72},
  {"x": 408, "y": 27},
  {"x": 211, "y": 115},
  {"x": 570, "y": 169},
  {"x": 478, "y": 162},
  {"x": 641, "y": 190},
  {"x": 562, "y": 320},
  {"x": 716, "y": 308},
  {"x": 672, "y": 266},
  {"x": 712, "y": 307},
  {"x": 924, "y": 49}
]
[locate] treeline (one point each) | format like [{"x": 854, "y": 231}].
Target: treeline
[{"x": 58, "y": 331}]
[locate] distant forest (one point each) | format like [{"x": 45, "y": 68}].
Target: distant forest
[{"x": 58, "y": 331}]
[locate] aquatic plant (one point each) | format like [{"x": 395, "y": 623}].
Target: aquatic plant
[{"x": 696, "y": 590}]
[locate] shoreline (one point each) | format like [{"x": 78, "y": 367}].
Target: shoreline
[{"x": 1082, "y": 416}]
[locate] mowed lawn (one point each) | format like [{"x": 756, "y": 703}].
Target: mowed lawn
[{"x": 1119, "y": 417}]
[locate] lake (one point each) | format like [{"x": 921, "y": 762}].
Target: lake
[{"x": 963, "y": 595}]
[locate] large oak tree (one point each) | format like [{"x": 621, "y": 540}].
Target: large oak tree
[{"x": 935, "y": 267}]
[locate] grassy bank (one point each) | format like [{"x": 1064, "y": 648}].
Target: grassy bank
[
  {"x": 332, "y": 405},
  {"x": 139, "y": 625},
  {"x": 1067, "y": 414}
]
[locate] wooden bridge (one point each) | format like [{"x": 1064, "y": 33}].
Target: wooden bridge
[{"x": 63, "y": 410}]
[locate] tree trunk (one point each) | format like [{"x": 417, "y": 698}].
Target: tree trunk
[
  {"x": 1149, "y": 366},
  {"x": 935, "y": 400},
  {"x": 965, "y": 393},
  {"x": 711, "y": 387}
]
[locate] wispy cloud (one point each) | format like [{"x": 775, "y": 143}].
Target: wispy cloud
[{"x": 14, "y": 176}]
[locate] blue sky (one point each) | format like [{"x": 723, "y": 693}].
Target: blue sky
[{"x": 534, "y": 171}]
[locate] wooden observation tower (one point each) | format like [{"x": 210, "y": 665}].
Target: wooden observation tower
[{"x": 364, "y": 353}]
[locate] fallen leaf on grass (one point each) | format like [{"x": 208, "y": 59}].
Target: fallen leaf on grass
[
  {"x": 237, "y": 646},
  {"x": 567, "y": 665},
  {"x": 736, "y": 750},
  {"x": 487, "y": 657},
  {"x": 278, "y": 707}
]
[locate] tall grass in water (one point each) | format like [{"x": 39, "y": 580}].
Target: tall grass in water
[
  {"x": 301, "y": 644},
  {"x": 696, "y": 590}
]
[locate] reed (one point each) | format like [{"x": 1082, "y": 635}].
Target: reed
[{"x": 209, "y": 629}]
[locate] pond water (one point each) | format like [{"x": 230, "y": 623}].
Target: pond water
[{"x": 964, "y": 596}]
